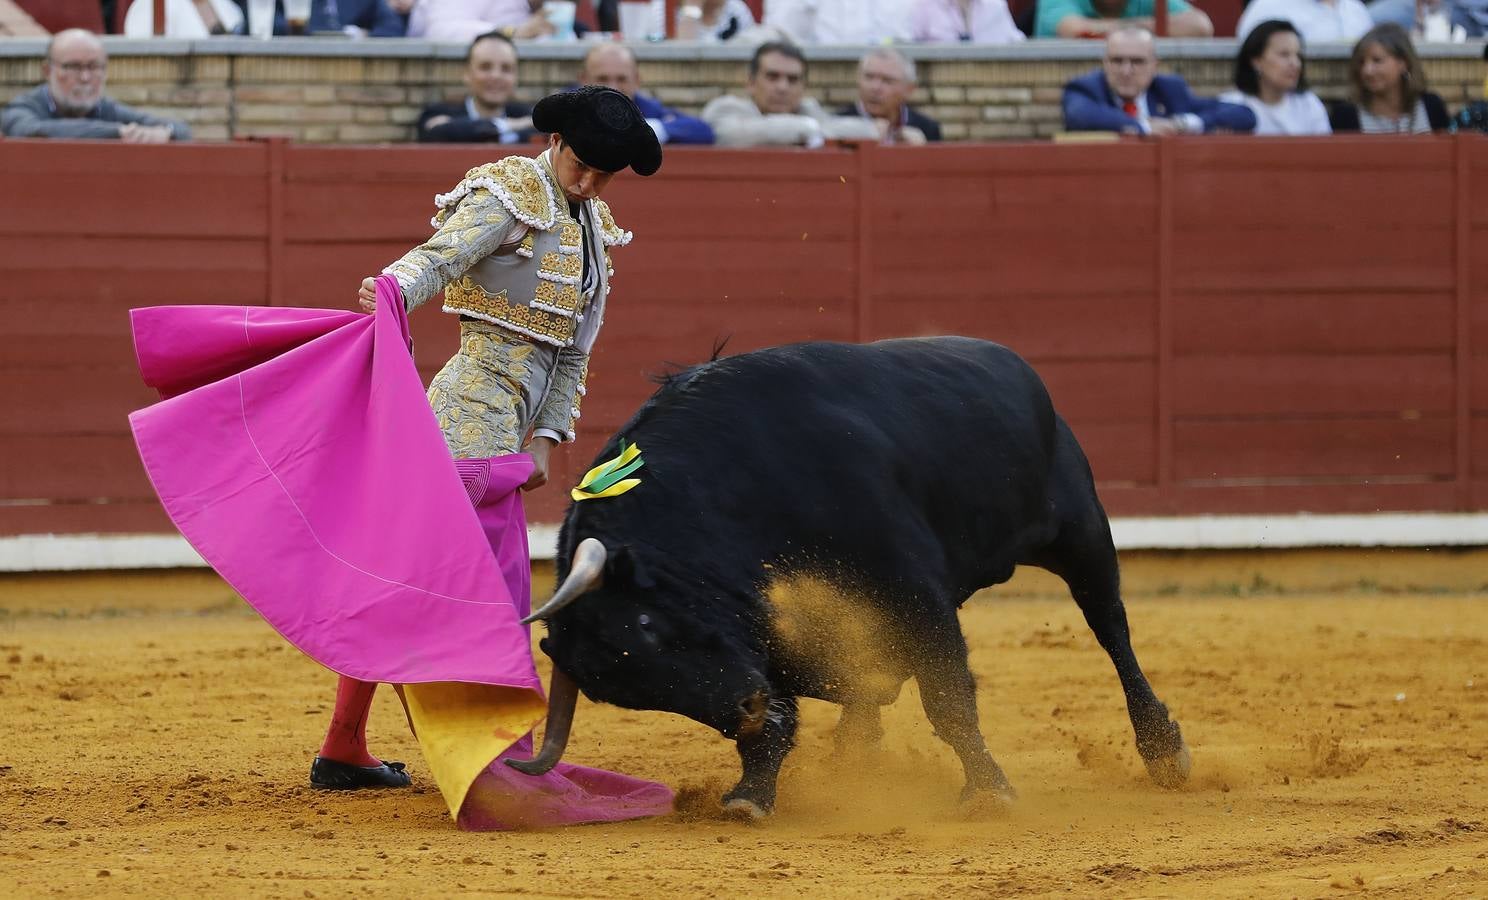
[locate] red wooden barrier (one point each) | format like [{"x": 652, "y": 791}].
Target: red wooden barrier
[{"x": 1230, "y": 325}]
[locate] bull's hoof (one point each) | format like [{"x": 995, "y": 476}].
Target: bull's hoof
[
  {"x": 977, "y": 803},
  {"x": 743, "y": 809},
  {"x": 1170, "y": 771},
  {"x": 1004, "y": 792}
]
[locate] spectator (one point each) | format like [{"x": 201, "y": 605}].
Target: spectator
[
  {"x": 777, "y": 110},
  {"x": 71, "y": 104},
  {"x": 1388, "y": 86},
  {"x": 614, "y": 66},
  {"x": 1270, "y": 78},
  {"x": 839, "y": 21},
  {"x": 1127, "y": 95},
  {"x": 714, "y": 20},
  {"x": 357, "y": 18},
  {"x": 1470, "y": 15},
  {"x": 463, "y": 20},
  {"x": 185, "y": 18},
  {"x": 1097, "y": 18},
  {"x": 375, "y": 18},
  {"x": 967, "y": 21},
  {"x": 886, "y": 78},
  {"x": 1316, "y": 20},
  {"x": 1473, "y": 116},
  {"x": 488, "y": 112}
]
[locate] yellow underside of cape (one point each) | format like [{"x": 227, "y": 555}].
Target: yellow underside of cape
[{"x": 461, "y": 727}]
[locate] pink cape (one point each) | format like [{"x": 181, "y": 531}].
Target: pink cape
[{"x": 295, "y": 450}]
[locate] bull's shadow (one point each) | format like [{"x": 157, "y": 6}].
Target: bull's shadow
[{"x": 684, "y": 563}]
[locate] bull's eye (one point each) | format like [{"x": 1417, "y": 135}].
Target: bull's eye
[{"x": 643, "y": 625}]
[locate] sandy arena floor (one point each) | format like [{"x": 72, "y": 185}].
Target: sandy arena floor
[{"x": 155, "y": 738}]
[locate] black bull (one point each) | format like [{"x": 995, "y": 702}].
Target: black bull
[{"x": 906, "y": 474}]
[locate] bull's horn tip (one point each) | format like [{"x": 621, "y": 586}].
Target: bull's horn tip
[{"x": 527, "y": 766}]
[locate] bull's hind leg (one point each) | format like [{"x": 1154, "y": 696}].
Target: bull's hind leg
[
  {"x": 1085, "y": 558},
  {"x": 754, "y": 796},
  {"x": 860, "y": 728},
  {"x": 948, "y": 693}
]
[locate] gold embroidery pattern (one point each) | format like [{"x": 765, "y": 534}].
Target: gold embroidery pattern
[
  {"x": 563, "y": 297},
  {"x": 571, "y": 238},
  {"x": 465, "y": 296},
  {"x": 477, "y": 397},
  {"x": 561, "y": 266},
  {"x": 525, "y": 248},
  {"x": 612, "y": 235},
  {"x": 517, "y": 182},
  {"x": 468, "y": 230}
]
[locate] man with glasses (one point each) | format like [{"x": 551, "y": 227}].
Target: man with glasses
[
  {"x": 71, "y": 104},
  {"x": 1126, "y": 95}
]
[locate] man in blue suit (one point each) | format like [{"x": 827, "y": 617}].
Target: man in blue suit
[
  {"x": 1126, "y": 95},
  {"x": 614, "y": 66}
]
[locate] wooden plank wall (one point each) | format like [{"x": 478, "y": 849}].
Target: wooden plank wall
[
  {"x": 86, "y": 233},
  {"x": 1231, "y": 325},
  {"x": 1314, "y": 332}
]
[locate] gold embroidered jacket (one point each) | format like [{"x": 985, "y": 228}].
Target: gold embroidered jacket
[{"x": 508, "y": 251}]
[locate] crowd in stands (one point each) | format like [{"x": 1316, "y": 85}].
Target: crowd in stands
[
  {"x": 1388, "y": 89},
  {"x": 802, "y": 22},
  {"x": 1126, "y": 95}
]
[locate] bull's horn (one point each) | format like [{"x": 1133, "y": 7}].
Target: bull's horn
[
  {"x": 563, "y": 694},
  {"x": 586, "y": 574}
]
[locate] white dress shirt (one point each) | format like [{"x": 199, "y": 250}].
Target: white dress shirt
[
  {"x": 1299, "y": 113},
  {"x": 841, "y": 21},
  {"x": 181, "y": 19},
  {"x": 462, "y": 20},
  {"x": 942, "y": 21},
  {"x": 1315, "y": 20}
]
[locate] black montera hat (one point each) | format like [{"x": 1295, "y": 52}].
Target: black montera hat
[{"x": 603, "y": 126}]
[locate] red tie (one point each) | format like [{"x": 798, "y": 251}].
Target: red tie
[{"x": 1130, "y": 108}]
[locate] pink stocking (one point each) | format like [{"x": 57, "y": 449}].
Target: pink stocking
[{"x": 346, "y": 741}]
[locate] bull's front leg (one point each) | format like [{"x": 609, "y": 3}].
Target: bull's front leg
[
  {"x": 762, "y": 753},
  {"x": 948, "y": 693},
  {"x": 860, "y": 729}
]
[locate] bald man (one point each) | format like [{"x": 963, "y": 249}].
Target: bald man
[
  {"x": 71, "y": 104},
  {"x": 1128, "y": 96},
  {"x": 614, "y": 66}
]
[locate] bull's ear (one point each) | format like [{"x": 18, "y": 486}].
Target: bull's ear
[{"x": 622, "y": 567}]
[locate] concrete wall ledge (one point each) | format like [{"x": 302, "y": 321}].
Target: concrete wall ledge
[
  {"x": 84, "y": 552},
  {"x": 1169, "y": 49}
]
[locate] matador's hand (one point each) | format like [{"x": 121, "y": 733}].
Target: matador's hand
[
  {"x": 367, "y": 296},
  {"x": 538, "y": 447}
]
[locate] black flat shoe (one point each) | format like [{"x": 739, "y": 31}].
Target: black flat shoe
[{"x": 329, "y": 775}]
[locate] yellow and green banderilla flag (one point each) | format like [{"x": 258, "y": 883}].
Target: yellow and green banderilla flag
[{"x": 610, "y": 478}]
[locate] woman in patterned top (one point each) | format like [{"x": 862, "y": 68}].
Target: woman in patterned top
[{"x": 1389, "y": 88}]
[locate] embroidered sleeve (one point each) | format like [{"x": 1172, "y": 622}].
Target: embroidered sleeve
[
  {"x": 517, "y": 182},
  {"x": 478, "y": 224},
  {"x": 560, "y": 411}
]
